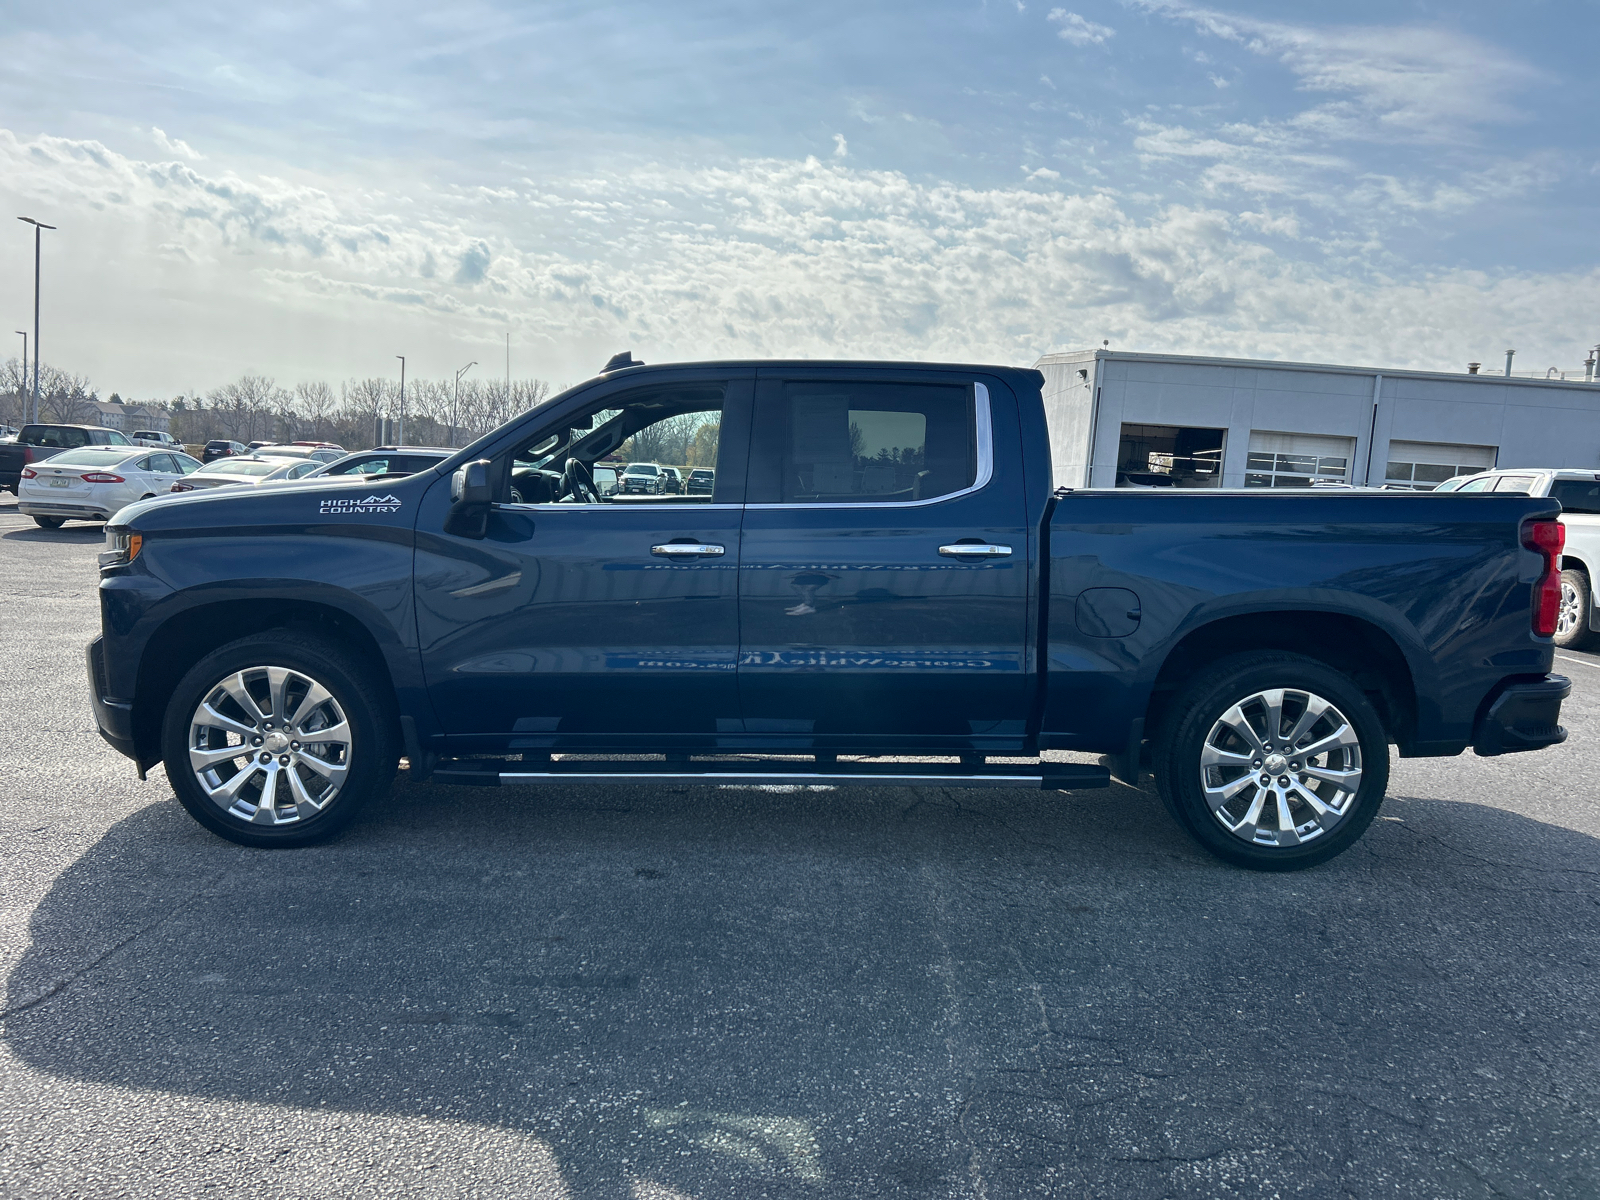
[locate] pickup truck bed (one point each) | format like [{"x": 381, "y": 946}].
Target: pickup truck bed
[{"x": 885, "y": 568}]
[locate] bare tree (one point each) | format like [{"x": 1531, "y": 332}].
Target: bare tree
[
  {"x": 365, "y": 400},
  {"x": 245, "y": 406},
  {"x": 13, "y": 392},
  {"x": 316, "y": 403}
]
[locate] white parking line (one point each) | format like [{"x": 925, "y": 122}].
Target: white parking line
[{"x": 1584, "y": 661}]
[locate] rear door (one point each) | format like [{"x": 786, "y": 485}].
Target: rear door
[
  {"x": 884, "y": 570},
  {"x": 165, "y": 472}
]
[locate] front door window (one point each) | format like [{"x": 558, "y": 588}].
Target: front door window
[{"x": 630, "y": 451}]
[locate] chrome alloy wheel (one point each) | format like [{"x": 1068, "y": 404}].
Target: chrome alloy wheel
[
  {"x": 270, "y": 746},
  {"x": 1280, "y": 768},
  {"x": 1569, "y": 614}
]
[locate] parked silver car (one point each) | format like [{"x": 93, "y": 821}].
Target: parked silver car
[
  {"x": 388, "y": 462},
  {"x": 245, "y": 471}
]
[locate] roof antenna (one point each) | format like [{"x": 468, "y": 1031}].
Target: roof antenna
[{"x": 619, "y": 361}]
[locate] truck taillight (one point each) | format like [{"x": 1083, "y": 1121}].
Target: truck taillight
[
  {"x": 27, "y": 454},
  {"x": 103, "y": 477},
  {"x": 29, "y": 473},
  {"x": 1547, "y": 537}
]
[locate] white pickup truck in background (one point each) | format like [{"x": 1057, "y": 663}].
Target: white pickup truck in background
[
  {"x": 154, "y": 437},
  {"x": 1578, "y": 627}
]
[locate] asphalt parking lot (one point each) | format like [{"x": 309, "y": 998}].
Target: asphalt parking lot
[{"x": 652, "y": 993}]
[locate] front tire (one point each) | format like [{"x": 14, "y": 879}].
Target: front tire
[
  {"x": 279, "y": 738},
  {"x": 49, "y": 522},
  {"x": 1572, "y": 619},
  {"x": 1272, "y": 761}
]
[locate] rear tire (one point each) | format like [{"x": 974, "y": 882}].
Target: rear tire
[
  {"x": 1572, "y": 621},
  {"x": 1230, "y": 761},
  {"x": 49, "y": 522},
  {"x": 313, "y": 734}
]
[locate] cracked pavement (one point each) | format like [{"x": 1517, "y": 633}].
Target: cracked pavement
[{"x": 647, "y": 993}]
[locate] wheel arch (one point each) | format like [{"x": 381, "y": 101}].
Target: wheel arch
[
  {"x": 186, "y": 637},
  {"x": 1357, "y": 647}
]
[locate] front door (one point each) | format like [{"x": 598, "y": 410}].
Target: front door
[
  {"x": 884, "y": 571},
  {"x": 585, "y": 619}
]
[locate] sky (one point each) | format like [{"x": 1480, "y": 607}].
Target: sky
[{"x": 307, "y": 191}]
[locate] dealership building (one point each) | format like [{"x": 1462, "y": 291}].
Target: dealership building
[{"x": 1169, "y": 420}]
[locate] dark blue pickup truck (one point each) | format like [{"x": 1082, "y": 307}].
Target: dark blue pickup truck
[{"x": 888, "y": 584}]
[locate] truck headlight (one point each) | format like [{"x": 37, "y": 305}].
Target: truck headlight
[{"x": 122, "y": 547}]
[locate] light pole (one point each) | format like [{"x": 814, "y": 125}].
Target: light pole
[
  {"x": 400, "y": 429},
  {"x": 455, "y": 411},
  {"x": 38, "y": 226},
  {"x": 22, "y": 387}
]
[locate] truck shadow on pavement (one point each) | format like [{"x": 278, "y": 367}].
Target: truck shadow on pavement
[
  {"x": 733, "y": 992},
  {"x": 75, "y": 535}
]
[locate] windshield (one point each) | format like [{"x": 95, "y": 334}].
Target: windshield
[
  {"x": 641, "y": 469},
  {"x": 240, "y": 466},
  {"x": 88, "y": 458},
  {"x": 287, "y": 451}
]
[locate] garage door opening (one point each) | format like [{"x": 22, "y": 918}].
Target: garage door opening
[
  {"x": 1297, "y": 459},
  {"x": 1423, "y": 466},
  {"x": 1169, "y": 456}
]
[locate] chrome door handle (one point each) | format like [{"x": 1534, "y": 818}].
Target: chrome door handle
[
  {"x": 974, "y": 550},
  {"x": 687, "y": 550}
]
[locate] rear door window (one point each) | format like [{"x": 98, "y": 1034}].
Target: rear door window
[
  {"x": 872, "y": 442},
  {"x": 412, "y": 463},
  {"x": 1520, "y": 485}
]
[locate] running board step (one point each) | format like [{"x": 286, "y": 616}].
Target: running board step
[{"x": 1049, "y": 776}]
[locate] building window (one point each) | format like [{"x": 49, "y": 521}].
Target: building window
[
  {"x": 1297, "y": 459},
  {"x": 1169, "y": 456},
  {"x": 1423, "y": 466}
]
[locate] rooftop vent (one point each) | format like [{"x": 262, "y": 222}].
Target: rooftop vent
[{"x": 1472, "y": 368}]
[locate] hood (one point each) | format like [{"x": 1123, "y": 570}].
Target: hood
[{"x": 294, "y": 503}]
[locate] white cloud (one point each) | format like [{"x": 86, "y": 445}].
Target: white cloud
[
  {"x": 175, "y": 145},
  {"x": 841, "y": 148},
  {"x": 765, "y": 257},
  {"x": 1079, "y": 31},
  {"x": 1417, "y": 82}
]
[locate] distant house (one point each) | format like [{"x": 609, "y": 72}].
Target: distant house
[{"x": 129, "y": 417}]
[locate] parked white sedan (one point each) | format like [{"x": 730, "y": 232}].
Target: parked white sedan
[{"x": 93, "y": 482}]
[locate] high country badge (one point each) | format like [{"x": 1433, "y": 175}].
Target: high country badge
[{"x": 348, "y": 506}]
